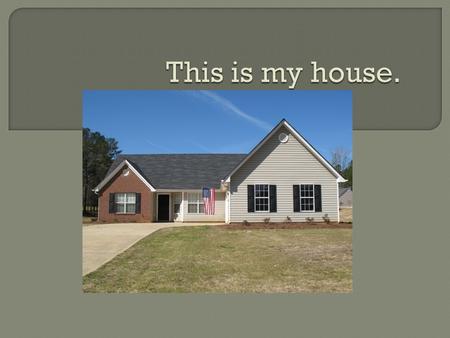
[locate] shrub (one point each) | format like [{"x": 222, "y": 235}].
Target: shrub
[
  {"x": 245, "y": 222},
  {"x": 267, "y": 220},
  {"x": 288, "y": 219},
  {"x": 309, "y": 219},
  {"x": 326, "y": 219}
]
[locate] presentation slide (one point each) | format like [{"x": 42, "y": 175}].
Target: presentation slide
[{"x": 225, "y": 169}]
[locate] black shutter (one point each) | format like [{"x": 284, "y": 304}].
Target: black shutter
[
  {"x": 273, "y": 198},
  {"x": 318, "y": 197},
  {"x": 112, "y": 203},
  {"x": 138, "y": 203},
  {"x": 296, "y": 192},
  {"x": 250, "y": 198}
]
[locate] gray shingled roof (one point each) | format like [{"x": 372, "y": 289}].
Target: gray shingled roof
[{"x": 182, "y": 171}]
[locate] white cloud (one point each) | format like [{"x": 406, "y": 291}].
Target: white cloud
[
  {"x": 200, "y": 146},
  {"x": 158, "y": 146},
  {"x": 230, "y": 107}
]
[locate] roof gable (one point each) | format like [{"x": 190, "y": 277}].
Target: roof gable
[
  {"x": 113, "y": 172},
  {"x": 300, "y": 139}
]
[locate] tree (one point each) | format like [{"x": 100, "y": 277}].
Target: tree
[
  {"x": 98, "y": 154},
  {"x": 347, "y": 173},
  {"x": 341, "y": 161},
  {"x": 340, "y": 158}
]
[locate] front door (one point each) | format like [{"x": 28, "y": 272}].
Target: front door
[{"x": 163, "y": 208}]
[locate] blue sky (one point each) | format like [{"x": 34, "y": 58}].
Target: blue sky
[{"x": 216, "y": 121}]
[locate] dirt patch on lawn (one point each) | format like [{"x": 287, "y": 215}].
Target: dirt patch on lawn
[{"x": 290, "y": 225}]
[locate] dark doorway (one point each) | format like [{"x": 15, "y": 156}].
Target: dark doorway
[{"x": 163, "y": 208}]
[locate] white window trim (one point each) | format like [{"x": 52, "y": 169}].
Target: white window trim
[
  {"x": 198, "y": 203},
  {"x": 268, "y": 198},
  {"x": 313, "y": 198},
  {"x": 125, "y": 203}
]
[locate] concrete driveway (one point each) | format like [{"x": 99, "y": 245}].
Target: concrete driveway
[{"x": 102, "y": 242}]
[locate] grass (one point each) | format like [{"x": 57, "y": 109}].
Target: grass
[{"x": 214, "y": 259}]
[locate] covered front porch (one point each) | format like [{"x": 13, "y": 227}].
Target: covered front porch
[{"x": 188, "y": 206}]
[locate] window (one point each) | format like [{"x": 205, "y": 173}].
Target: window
[
  {"x": 125, "y": 203},
  {"x": 283, "y": 137},
  {"x": 307, "y": 197},
  {"x": 261, "y": 197},
  {"x": 195, "y": 203},
  {"x": 176, "y": 208},
  {"x": 176, "y": 197}
]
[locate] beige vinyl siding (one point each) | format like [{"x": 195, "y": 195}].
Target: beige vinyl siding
[
  {"x": 219, "y": 215},
  {"x": 282, "y": 164}
]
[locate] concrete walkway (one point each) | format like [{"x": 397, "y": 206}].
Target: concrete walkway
[{"x": 102, "y": 242}]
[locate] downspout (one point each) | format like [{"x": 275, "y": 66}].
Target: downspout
[{"x": 337, "y": 200}]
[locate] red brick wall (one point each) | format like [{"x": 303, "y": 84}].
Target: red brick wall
[{"x": 130, "y": 183}]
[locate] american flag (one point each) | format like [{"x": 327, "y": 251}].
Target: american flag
[{"x": 209, "y": 199}]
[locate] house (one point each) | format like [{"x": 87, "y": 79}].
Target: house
[
  {"x": 283, "y": 176},
  {"x": 345, "y": 197}
]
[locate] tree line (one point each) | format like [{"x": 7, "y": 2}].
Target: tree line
[
  {"x": 99, "y": 153},
  {"x": 342, "y": 162}
]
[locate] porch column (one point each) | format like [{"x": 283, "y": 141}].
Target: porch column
[{"x": 182, "y": 206}]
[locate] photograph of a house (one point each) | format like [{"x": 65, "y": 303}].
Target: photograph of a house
[{"x": 283, "y": 177}]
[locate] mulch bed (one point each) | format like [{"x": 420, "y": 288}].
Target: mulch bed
[{"x": 290, "y": 225}]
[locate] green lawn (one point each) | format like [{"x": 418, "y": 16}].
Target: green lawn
[{"x": 214, "y": 259}]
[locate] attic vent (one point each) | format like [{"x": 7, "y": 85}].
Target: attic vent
[
  {"x": 126, "y": 172},
  {"x": 283, "y": 137}
]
